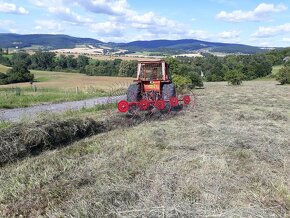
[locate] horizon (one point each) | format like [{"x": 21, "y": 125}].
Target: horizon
[
  {"x": 254, "y": 23},
  {"x": 139, "y": 40}
]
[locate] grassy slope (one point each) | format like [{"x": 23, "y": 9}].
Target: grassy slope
[
  {"x": 57, "y": 87},
  {"x": 228, "y": 157},
  {"x": 3, "y": 68}
]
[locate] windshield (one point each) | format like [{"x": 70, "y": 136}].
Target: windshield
[{"x": 152, "y": 71}]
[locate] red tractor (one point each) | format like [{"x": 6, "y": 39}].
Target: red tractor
[{"x": 153, "y": 89}]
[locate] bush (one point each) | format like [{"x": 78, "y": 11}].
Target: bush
[
  {"x": 196, "y": 79},
  {"x": 18, "y": 73},
  {"x": 283, "y": 76},
  {"x": 3, "y": 78},
  {"x": 234, "y": 77},
  {"x": 181, "y": 81}
]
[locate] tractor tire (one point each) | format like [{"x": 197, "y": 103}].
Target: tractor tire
[
  {"x": 134, "y": 93},
  {"x": 168, "y": 91}
]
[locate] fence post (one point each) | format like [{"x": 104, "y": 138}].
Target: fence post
[{"x": 17, "y": 91}]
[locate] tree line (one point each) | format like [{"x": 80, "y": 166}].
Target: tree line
[{"x": 183, "y": 69}]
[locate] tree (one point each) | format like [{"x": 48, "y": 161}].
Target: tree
[
  {"x": 82, "y": 61},
  {"x": 43, "y": 60},
  {"x": 234, "y": 77},
  {"x": 71, "y": 62},
  {"x": 196, "y": 79},
  {"x": 128, "y": 68},
  {"x": 283, "y": 76}
]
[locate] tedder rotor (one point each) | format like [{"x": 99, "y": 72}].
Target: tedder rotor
[{"x": 152, "y": 90}]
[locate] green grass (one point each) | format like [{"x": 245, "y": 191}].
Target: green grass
[
  {"x": 3, "y": 69},
  {"x": 27, "y": 97},
  {"x": 4, "y": 124}
]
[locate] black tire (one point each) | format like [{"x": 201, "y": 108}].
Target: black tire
[
  {"x": 134, "y": 93},
  {"x": 168, "y": 91}
]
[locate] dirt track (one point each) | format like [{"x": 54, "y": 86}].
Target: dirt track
[{"x": 20, "y": 113}]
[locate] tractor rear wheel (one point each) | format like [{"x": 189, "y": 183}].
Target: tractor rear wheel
[
  {"x": 168, "y": 91},
  {"x": 134, "y": 93}
]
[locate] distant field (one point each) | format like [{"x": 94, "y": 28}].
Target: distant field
[
  {"x": 140, "y": 57},
  {"x": 62, "y": 80},
  {"x": 57, "y": 87}
]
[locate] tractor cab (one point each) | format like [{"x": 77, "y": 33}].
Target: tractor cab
[
  {"x": 152, "y": 70},
  {"x": 150, "y": 75}
]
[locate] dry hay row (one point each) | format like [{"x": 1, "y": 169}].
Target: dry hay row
[{"x": 23, "y": 140}]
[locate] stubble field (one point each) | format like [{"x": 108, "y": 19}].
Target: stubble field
[{"x": 228, "y": 157}]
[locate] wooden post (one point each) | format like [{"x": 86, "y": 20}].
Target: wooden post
[{"x": 17, "y": 91}]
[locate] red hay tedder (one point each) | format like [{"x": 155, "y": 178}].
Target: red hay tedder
[{"x": 152, "y": 90}]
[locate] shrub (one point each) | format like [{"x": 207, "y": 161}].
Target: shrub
[
  {"x": 18, "y": 73},
  {"x": 196, "y": 79},
  {"x": 3, "y": 78},
  {"x": 181, "y": 81},
  {"x": 283, "y": 76},
  {"x": 234, "y": 77}
]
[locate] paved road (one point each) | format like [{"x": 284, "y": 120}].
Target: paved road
[{"x": 19, "y": 113}]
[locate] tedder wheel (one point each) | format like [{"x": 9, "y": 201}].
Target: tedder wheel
[
  {"x": 143, "y": 104},
  {"x": 186, "y": 99},
  {"x": 123, "y": 106}
]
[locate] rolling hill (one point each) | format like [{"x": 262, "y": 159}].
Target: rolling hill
[
  {"x": 50, "y": 41},
  {"x": 189, "y": 45},
  {"x": 44, "y": 40}
]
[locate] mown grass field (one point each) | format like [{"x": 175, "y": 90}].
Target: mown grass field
[
  {"x": 228, "y": 157},
  {"x": 57, "y": 87}
]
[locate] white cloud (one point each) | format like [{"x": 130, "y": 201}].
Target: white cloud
[
  {"x": 232, "y": 34},
  {"x": 109, "y": 7},
  {"x": 107, "y": 29},
  {"x": 8, "y": 26},
  {"x": 285, "y": 39},
  {"x": 12, "y": 8},
  {"x": 49, "y": 26},
  {"x": 265, "y": 32},
  {"x": 260, "y": 13},
  {"x": 121, "y": 23},
  {"x": 66, "y": 14}
]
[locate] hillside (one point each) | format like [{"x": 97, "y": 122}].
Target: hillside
[
  {"x": 228, "y": 157},
  {"x": 188, "y": 45},
  {"x": 9, "y": 40},
  {"x": 48, "y": 41}
]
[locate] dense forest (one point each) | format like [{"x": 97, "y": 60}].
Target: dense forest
[{"x": 212, "y": 68}]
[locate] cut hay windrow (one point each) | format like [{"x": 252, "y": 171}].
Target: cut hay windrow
[{"x": 24, "y": 140}]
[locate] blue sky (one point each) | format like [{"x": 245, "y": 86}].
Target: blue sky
[{"x": 252, "y": 22}]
